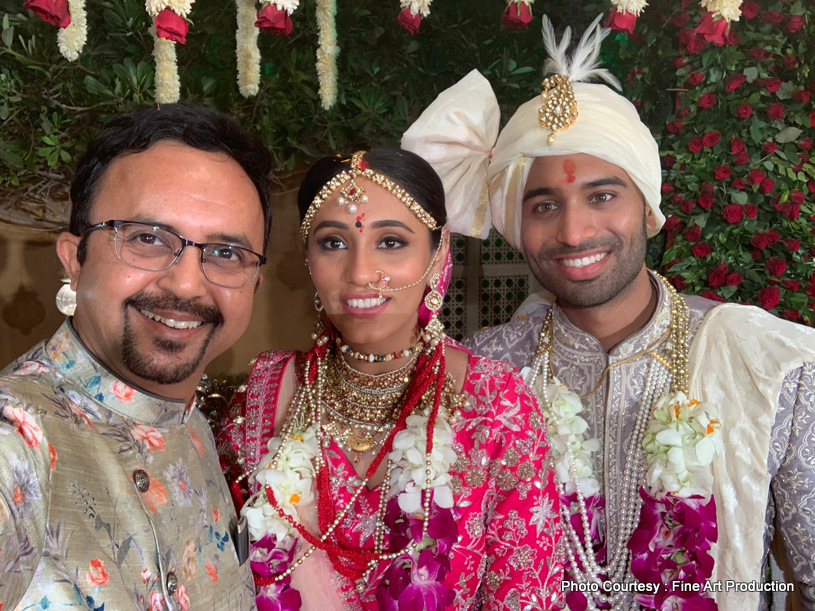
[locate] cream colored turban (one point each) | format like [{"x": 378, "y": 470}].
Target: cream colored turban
[{"x": 607, "y": 127}]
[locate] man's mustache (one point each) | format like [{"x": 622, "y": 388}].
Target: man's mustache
[{"x": 205, "y": 313}]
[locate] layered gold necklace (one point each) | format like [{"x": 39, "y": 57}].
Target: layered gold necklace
[{"x": 361, "y": 408}]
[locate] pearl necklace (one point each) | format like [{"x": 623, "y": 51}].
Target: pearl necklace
[{"x": 662, "y": 374}]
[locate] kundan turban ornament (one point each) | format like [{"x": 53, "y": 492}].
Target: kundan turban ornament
[{"x": 484, "y": 175}]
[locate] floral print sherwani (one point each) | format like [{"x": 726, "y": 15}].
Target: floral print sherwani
[{"x": 110, "y": 498}]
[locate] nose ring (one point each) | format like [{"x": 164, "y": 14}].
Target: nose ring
[{"x": 380, "y": 284}]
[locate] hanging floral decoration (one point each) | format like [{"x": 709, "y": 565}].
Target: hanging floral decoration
[
  {"x": 518, "y": 14},
  {"x": 170, "y": 27},
  {"x": 411, "y": 15},
  {"x": 327, "y": 51},
  {"x": 274, "y": 17},
  {"x": 72, "y": 37},
  {"x": 55, "y": 12},
  {"x": 246, "y": 48},
  {"x": 713, "y": 26},
  {"x": 624, "y": 14}
]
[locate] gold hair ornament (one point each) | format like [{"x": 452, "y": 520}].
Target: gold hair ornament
[{"x": 353, "y": 194}]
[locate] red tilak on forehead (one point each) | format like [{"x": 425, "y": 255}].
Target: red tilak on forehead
[{"x": 569, "y": 166}]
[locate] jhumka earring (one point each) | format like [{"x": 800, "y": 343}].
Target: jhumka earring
[
  {"x": 66, "y": 298},
  {"x": 318, "y": 304},
  {"x": 434, "y": 299}
]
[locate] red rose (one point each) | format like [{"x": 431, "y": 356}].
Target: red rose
[
  {"x": 812, "y": 119},
  {"x": 750, "y": 211},
  {"x": 767, "y": 185},
  {"x": 676, "y": 198},
  {"x": 517, "y": 16},
  {"x": 409, "y": 21},
  {"x": 734, "y": 81},
  {"x": 802, "y": 95},
  {"x": 795, "y": 23},
  {"x": 755, "y": 176},
  {"x": 741, "y": 158},
  {"x": 749, "y": 9},
  {"x": 791, "y": 315},
  {"x": 672, "y": 222},
  {"x": 793, "y": 211},
  {"x": 695, "y": 45},
  {"x": 666, "y": 188},
  {"x": 811, "y": 186},
  {"x": 772, "y": 84},
  {"x": 682, "y": 112},
  {"x": 772, "y": 236},
  {"x": 707, "y": 100},
  {"x": 805, "y": 143},
  {"x": 695, "y": 144},
  {"x": 773, "y": 17},
  {"x": 734, "y": 279},
  {"x": 668, "y": 161},
  {"x": 679, "y": 283},
  {"x": 676, "y": 127},
  {"x": 760, "y": 240},
  {"x": 792, "y": 285},
  {"x": 736, "y": 145},
  {"x": 680, "y": 19},
  {"x": 712, "y": 30},
  {"x": 711, "y": 138},
  {"x": 693, "y": 234},
  {"x": 718, "y": 276},
  {"x": 712, "y": 296},
  {"x": 790, "y": 61},
  {"x": 769, "y": 147},
  {"x": 738, "y": 184},
  {"x": 792, "y": 244},
  {"x": 733, "y": 213},
  {"x": 680, "y": 61},
  {"x": 172, "y": 26},
  {"x": 694, "y": 78},
  {"x": 797, "y": 197},
  {"x": 273, "y": 20},
  {"x": 706, "y": 201},
  {"x": 758, "y": 53},
  {"x": 54, "y": 12},
  {"x": 687, "y": 205},
  {"x": 776, "y": 111},
  {"x": 743, "y": 111},
  {"x": 621, "y": 20},
  {"x": 722, "y": 172},
  {"x": 768, "y": 297},
  {"x": 776, "y": 266},
  {"x": 701, "y": 249}
]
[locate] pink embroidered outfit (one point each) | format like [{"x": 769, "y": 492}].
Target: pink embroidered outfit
[{"x": 505, "y": 501}]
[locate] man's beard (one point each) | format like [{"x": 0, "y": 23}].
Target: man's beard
[
  {"x": 144, "y": 365},
  {"x": 596, "y": 291}
]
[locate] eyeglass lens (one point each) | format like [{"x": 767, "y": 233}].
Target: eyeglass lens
[{"x": 156, "y": 249}]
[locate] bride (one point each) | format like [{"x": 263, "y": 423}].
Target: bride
[{"x": 387, "y": 467}]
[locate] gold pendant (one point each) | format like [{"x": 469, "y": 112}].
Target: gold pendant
[{"x": 359, "y": 443}]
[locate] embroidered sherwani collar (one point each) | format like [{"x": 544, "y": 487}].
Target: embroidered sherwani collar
[{"x": 81, "y": 369}]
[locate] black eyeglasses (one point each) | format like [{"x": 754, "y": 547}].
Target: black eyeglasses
[{"x": 155, "y": 249}]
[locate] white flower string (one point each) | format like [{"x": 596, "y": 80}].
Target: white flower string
[
  {"x": 168, "y": 85},
  {"x": 71, "y": 39},
  {"x": 327, "y": 50},
  {"x": 633, "y": 7},
  {"x": 246, "y": 49},
  {"x": 729, "y": 9},
  {"x": 417, "y": 7}
]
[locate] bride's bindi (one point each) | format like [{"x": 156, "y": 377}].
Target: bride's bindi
[{"x": 569, "y": 167}]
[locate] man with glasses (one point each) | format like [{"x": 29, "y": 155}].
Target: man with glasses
[{"x": 111, "y": 495}]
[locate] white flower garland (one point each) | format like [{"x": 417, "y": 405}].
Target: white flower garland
[
  {"x": 729, "y": 9},
  {"x": 168, "y": 85},
  {"x": 292, "y": 480},
  {"x": 682, "y": 440},
  {"x": 629, "y": 6},
  {"x": 182, "y": 7},
  {"x": 246, "y": 50},
  {"x": 327, "y": 52},
  {"x": 416, "y": 6},
  {"x": 71, "y": 40},
  {"x": 285, "y": 5}
]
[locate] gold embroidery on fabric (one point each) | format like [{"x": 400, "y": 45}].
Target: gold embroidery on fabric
[
  {"x": 526, "y": 470},
  {"x": 475, "y": 476},
  {"x": 456, "y": 484},
  {"x": 535, "y": 421},
  {"x": 511, "y": 457},
  {"x": 506, "y": 480},
  {"x": 493, "y": 580}
]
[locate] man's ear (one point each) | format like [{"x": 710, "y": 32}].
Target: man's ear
[
  {"x": 651, "y": 222},
  {"x": 258, "y": 282},
  {"x": 67, "y": 248}
]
